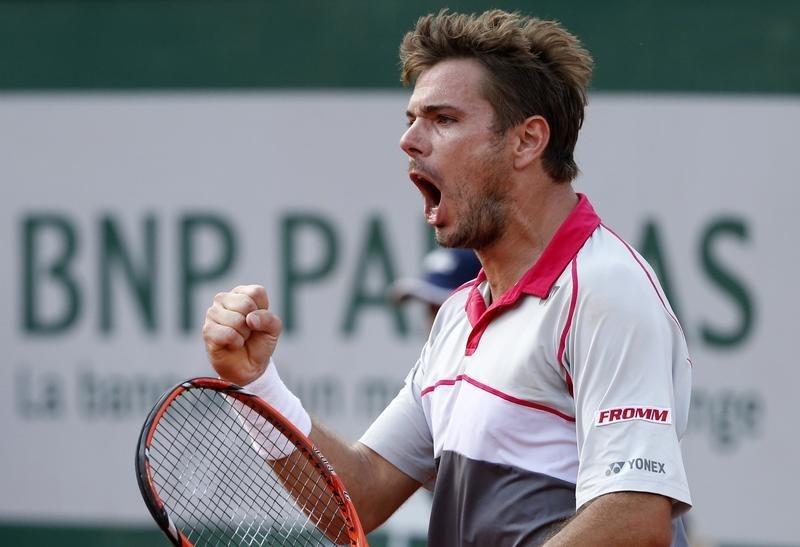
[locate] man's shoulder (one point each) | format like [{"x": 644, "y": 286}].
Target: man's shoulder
[
  {"x": 607, "y": 256},
  {"x": 611, "y": 269}
]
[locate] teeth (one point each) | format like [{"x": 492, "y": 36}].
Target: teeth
[{"x": 431, "y": 218}]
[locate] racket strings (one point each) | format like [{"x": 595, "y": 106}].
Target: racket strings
[
  {"x": 192, "y": 475},
  {"x": 243, "y": 527},
  {"x": 219, "y": 490},
  {"x": 319, "y": 505},
  {"x": 302, "y": 479}
]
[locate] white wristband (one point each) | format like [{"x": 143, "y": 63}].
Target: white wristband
[{"x": 266, "y": 439}]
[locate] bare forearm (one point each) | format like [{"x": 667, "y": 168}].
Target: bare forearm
[
  {"x": 376, "y": 487},
  {"x": 349, "y": 461},
  {"x": 620, "y": 519}
]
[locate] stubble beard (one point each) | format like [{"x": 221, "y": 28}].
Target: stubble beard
[
  {"x": 485, "y": 214},
  {"x": 482, "y": 225}
]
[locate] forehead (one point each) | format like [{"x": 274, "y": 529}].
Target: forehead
[{"x": 454, "y": 82}]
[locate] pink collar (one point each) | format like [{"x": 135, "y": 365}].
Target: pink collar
[{"x": 539, "y": 279}]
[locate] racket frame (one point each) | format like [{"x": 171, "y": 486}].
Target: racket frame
[{"x": 301, "y": 442}]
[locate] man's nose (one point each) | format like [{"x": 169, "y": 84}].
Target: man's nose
[{"x": 413, "y": 142}]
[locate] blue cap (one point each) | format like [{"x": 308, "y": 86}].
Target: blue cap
[{"x": 443, "y": 271}]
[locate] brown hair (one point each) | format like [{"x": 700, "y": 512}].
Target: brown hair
[{"x": 535, "y": 67}]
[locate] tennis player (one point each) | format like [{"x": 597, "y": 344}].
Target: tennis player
[{"x": 548, "y": 403}]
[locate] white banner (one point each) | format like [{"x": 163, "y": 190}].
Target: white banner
[{"x": 124, "y": 214}]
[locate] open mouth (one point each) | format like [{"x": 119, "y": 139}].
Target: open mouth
[{"x": 430, "y": 193}]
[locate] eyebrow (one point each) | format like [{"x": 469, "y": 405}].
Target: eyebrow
[{"x": 434, "y": 108}]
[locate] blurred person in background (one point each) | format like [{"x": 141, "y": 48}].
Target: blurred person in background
[{"x": 443, "y": 271}]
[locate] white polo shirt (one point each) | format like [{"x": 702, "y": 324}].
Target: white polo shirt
[{"x": 573, "y": 384}]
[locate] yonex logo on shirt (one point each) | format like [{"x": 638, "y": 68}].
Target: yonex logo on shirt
[
  {"x": 615, "y": 468},
  {"x": 628, "y": 413},
  {"x": 640, "y": 464}
]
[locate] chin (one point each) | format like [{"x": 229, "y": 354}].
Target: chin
[{"x": 450, "y": 240}]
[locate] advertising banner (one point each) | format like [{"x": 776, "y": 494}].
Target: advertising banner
[{"x": 123, "y": 214}]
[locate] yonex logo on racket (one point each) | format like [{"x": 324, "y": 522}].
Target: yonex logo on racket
[
  {"x": 628, "y": 413},
  {"x": 324, "y": 460}
]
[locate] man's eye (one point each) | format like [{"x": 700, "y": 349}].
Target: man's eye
[{"x": 445, "y": 120}]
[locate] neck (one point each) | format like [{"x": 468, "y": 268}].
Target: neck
[{"x": 533, "y": 220}]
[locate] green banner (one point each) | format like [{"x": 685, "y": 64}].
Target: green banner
[{"x": 713, "y": 46}]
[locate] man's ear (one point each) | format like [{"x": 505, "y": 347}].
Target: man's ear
[{"x": 532, "y": 134}]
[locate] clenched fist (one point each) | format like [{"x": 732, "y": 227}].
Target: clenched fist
[{"x": 240, "y": 333}]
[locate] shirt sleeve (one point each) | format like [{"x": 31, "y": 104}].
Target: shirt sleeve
[
  {"x": 401, "y": 433},
  {"x": 632, "y": 384}
]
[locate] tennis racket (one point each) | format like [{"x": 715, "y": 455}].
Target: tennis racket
[{"x": 217, "y": 465}]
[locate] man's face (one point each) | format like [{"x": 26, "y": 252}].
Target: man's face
[{"x": 459, "y": 163}]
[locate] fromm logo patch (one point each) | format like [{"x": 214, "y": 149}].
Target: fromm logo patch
[{"x": 628, "y": 413}]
